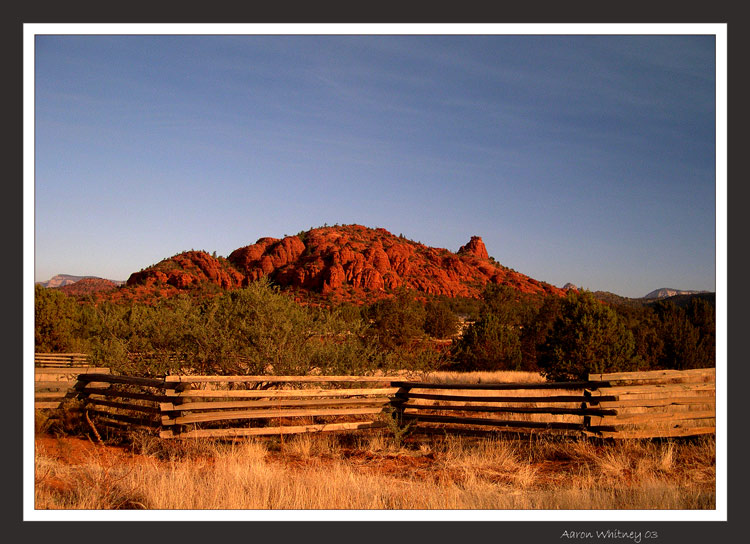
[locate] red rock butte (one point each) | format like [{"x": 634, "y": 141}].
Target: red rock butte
[{"x": 343, "y": 263}]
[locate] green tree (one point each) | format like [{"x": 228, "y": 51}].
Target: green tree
[
  {"x": 643, "y": 323},
  {"x": 510, "y": 305},
  {"x": 587, "y": 337},
  {"x": 440, "y": 321},
  {"x": 688, "y": 334},
  {"x": 56, "y": 319},
  {"x": 489, "y": 344},
  {"x": 535, "y": 331},
  {"x": 397, "y": 321},
  {"x": 493, "y": 342}
]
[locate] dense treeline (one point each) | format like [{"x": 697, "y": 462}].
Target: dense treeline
[
  {"x": 259, "y": 330},
  {"x": 568, "y": 338},
  {"x": 255, "y": 330}
]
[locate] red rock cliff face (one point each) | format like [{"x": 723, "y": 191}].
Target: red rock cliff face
[{"x": 350, "y": 262}]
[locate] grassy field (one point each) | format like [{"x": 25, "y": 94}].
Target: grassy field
[{"x": 361, "y": 472}]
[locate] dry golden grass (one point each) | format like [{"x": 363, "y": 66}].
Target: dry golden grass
[{"x": 363, "y": 472}]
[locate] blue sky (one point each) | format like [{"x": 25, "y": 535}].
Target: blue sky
[{"x": 583, "y": 159}]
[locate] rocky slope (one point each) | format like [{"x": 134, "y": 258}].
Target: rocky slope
[{"x": 342, "y": 263}]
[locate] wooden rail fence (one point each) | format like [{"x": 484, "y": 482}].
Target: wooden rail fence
[
  {"x": 664, "y": 403},
  {"x": 524, "y": 407},
  {"x": 55, "y": 374},
  {"x": 616, "y": 405},
  {"x": 203, "y": 406},
  {"x": 61, "y": 360},
  {"x": 659, "y": 403}
]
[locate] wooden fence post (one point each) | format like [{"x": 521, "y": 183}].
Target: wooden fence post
[
  {"x": 398, "y": 400},
  {"x": 179, "y": 400}
]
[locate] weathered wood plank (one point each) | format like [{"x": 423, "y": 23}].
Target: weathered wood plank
[
  {"x": 195, "y": 406},
  {"x": 43, "y": 357},
  {"x": 668, "y": 401},
  {"x": 50, "y": 394},
  {"x": 495, "y": 422},
  {"x": 46, "y": 405},
  {"x": 276, "y": 379},
  {"x": 660, "y": 433},
  {"x": 680, "y": 388},
  {"x": 674, "y": 408},
  {"x": 124, "y": 418},
  {"x": 123, "y": 405},
  {"x": 509, "y": 399},
  {"x": 68, "y": 371},
  {"x": 513, "y": 410},
  {"x": 124, "y": 394},
  {"x": 264, "y": 414},
  {"x": 129, "y": 380},
  {"x": 662, "y": 381},
  {"x": 267, "y": 393},
  {"x": 634, "y": 419},
  {"x": 260, "y": 431},
  {"x": 60, "y": 354},
  {"x": 499, "y": 386},
  {"x": 58, "y": 385},
  {"x": 652, "y": 374},
  {"x": 124, "y": 426}
]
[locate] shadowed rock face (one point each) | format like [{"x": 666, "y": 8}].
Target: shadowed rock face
[{"x": 348, "y": 262}]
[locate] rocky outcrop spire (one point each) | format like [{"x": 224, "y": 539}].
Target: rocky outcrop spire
[{"x": 475, "y": 247}]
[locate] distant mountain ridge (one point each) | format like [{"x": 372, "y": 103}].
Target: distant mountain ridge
[
  {"x": 60, "y": 279},
  {"x": 666, "y": 292},
  {"x": 63, "y": 280}
]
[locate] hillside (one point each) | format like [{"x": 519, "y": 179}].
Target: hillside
[
  {"x": 341, "y": 263},
  {"x": 88, "y": 286}
]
